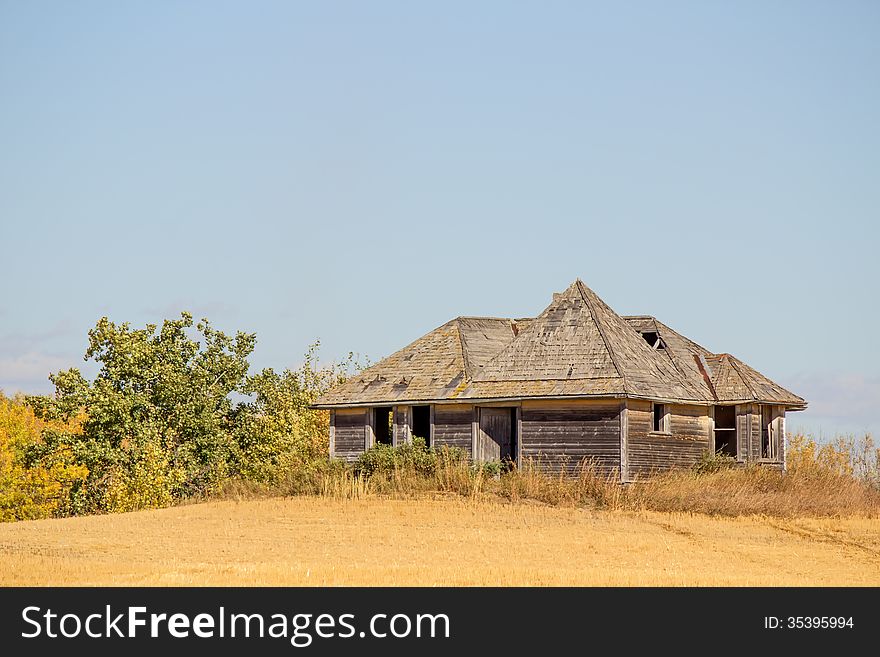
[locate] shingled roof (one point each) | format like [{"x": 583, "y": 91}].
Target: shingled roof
[
  {"x": 724, "y": 378},
  {"x": 577, "y": 347}
]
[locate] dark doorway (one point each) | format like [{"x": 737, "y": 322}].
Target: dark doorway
[
  {"x": 421, "y": 423},
  {"x": 497, "y": 434},
  {"x": 725, "y": 430},
  {"x": 382, "y": 425}
]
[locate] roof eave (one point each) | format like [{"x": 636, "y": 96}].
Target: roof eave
[{"x": 514, "y": 398}]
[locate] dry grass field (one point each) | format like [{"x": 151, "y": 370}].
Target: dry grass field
[{"x": 454, "y": 541}]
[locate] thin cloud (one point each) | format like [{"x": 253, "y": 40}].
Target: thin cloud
[
  {"x": 13, "y": 344},
  {"x": 29, "y": 372},
  {"x": 849, "y": 396},
  {"x": 839, "y": 403}
]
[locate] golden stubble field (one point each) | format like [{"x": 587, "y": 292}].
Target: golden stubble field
[{"x": 442, "y": 542}]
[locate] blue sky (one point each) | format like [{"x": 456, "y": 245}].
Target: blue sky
[{"x": 363, "y": 172}]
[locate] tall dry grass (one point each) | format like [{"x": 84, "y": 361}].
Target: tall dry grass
[
  {"x": 820, "y": 482},
  {"x": 757, "y": 490}
]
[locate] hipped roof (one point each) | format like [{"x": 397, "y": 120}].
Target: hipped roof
[{"x": 577, "y": 347}]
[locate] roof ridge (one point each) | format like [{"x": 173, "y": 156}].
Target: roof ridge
[
  {"x": 675, "y": 366},
  {"x": 683, "y": 337},
  {"x": 500, "y": 319},
  {"x": 580, "y": 286},
  {"x": 659, "y": 328},
  {"x": 701, "y": 360},
  {"x": 762, "y": 380},
  {"x": 465, "y": 358},
  {"x": 682, "y": 379},
  {"x": 510, "y": 364},
  {"x": 733, "y": 363}
]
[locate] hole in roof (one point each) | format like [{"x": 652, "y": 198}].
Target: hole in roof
[{"x": 653, "y": 339}]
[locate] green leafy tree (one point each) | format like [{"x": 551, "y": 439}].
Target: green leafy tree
[
  {"x": 159, "y": 415},
  {"x": 278, "y": 429}
]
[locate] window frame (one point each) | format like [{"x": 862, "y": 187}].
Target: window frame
[
  {"x": 768, "y": 419},
  {"x": 663, "y": 422}
]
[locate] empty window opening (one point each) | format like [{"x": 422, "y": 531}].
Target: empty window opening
[
  {"x": 382, "y": 425},
  {"x": 653, "y": 338},
  {"x": 660, "y": 418},
  {"x": 421, "y": 423},
  {"x": 725, "y": 430}
]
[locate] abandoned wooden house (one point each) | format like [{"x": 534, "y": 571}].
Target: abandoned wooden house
[{"x": 578, "y": 382}]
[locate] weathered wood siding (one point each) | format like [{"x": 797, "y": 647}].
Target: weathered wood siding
[
  {"x": 749, "y": 429},
  {"x": 782, "y": 438},
  {"x": 756, "y": 432},
  {"x": 688, "y": 438},
  {"x": 349, "y": 433},
  {"x": 452, "y": 426},
  {"x": 689, "y": 422},
  {"x": 743, "y": 431},
  {"x": 496, "y": 440},
  {"x": 560, "y": 436},
  {"x": 748, "y": 432}
]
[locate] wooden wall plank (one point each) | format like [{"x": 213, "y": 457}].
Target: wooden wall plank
[
  {"x": 743, "y": 431},
  {"x": 348, "y": 434},
  {"x": 453, "y": 426},
  {"x": 685, "y": 444},
  {"x": 559, "y": 437},
  {"x": 624, "y": 448},
  {"x": 564, "y": 403},
  {"x": 688, "y": 421}
]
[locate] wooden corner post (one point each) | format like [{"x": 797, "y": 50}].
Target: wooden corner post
[
  {"x": 624, "y": 447},
  {"x": 369, "y": 428},
  {"x": 332, "y": 433},
  {"x": 711, "y": 428},
  {"x": 401, "y": 425},
  {"x": 475, "y": 435},
  {"x": 518, "y": 438}
]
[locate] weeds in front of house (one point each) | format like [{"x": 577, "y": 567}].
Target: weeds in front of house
[{"x": 834, "y": 480}]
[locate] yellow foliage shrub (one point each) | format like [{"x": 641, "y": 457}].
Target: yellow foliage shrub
[
  {"x": 844, "y": 456},
  {"x": 35, "y": 492},
  {"x": 149, "y": 480}
]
